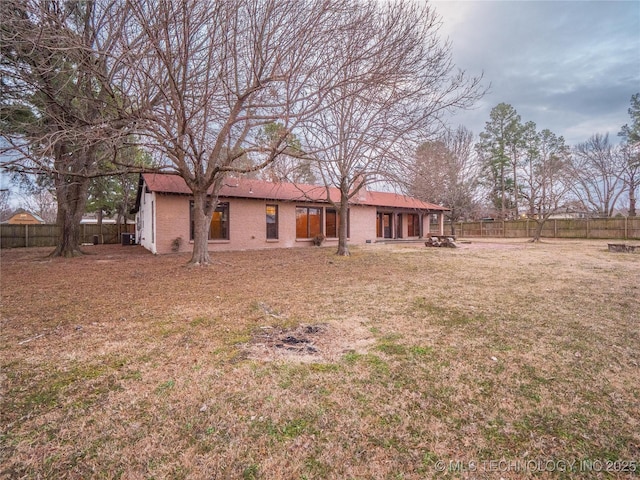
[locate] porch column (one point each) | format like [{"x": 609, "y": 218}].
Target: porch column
[
  {"x": 441, "y": 222},
  {"x": 426, "y": 225},
  {"x": 394, "y": 227}
]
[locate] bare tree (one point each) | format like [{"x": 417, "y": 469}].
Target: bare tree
[
  {"x": 288, "y": 168},
  {"x": 223, "y": 71},
  {"x": 60, "y": 109},
  {"x": 597, "y": 170},
  {"x": 547, "y": 175},
  {"x": 531, "y": 149},
  {"x": 397, "y": 82},
  {"x": 291, "y": 169},
  {"x": 631, "y": 152},
  {"x": 42, "y": 203},
  {"x": 5, "y": 204},
  {"x": 447, "y": 172}
]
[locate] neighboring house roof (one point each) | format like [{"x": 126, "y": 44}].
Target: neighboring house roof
[
  {"x": 92, "y": 219},
  {"x": 21, "y": 215},
  {"x": 250, "y": 188}
]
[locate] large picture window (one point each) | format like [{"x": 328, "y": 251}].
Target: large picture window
[
  {"x": 272, "y": 222},
  {"x": 308, "y": 222},
  {"x": 332, "y": 223},
  {"x": 219, "y": 228},
  {"x": 414, "y": 225}
]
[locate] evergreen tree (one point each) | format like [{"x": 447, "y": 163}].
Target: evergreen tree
[{"x": 499, "y": 148}]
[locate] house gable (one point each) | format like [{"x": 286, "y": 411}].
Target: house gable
[{"x": 23, "y": 217}]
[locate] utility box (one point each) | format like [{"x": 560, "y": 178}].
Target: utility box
[{"x": 128, "y": 239}]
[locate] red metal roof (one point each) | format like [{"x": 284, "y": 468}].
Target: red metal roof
[{"x": 292, "y": 192}]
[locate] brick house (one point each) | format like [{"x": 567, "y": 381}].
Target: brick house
[{"x": 254, "y": 214}]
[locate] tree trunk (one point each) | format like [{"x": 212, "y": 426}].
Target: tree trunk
[
  {"x": 539, "y": 226},
  {"x": 632, "y": 199},
  {"x": 99, "y": 220},
  {"x": 453, "y": 218},
  {"x": 503, "y": 200},
  {"x": 538, "y": 231},
  {"x": 202, "y": 221},
  {"x": 343, "y": 248},
  {"x": 515, "y": 190},
  {"x": 71, "y": 193}
]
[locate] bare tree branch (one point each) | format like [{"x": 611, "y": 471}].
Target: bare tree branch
[
  {"x": 63, "y": 108},
  {"x": 395, "y": 82},
  {"x": 223, "y": 72},
  {"x": 597, "y": 170}
]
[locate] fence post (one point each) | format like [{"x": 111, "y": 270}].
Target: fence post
[
  {"x": 626, "y": 227},
  {"x": 588, "y": 229},
  {"x": 26, "y": 235}
]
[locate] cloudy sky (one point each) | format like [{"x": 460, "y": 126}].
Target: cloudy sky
[{"x": 569, "y": 66}]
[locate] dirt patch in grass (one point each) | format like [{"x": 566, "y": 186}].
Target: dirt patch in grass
[
  {"x": 299, "y": 364},
  {"x": 318, "y": 343}
]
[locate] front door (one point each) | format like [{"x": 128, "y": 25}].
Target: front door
[
  {"x": 386, "y": 222},
  {"x": 383, "y": 225}
]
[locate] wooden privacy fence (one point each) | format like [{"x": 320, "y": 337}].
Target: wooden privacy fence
[
  {"x": 613, "y": 228},
  {"x": 44, "y": 235}
]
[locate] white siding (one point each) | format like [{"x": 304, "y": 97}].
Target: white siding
[{"x": 146, "y": 221}]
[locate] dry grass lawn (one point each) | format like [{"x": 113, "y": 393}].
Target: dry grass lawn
[{"x": 395, "y": 363}]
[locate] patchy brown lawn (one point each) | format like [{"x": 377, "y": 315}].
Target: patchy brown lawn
[{"x": 394, "y": 363}]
